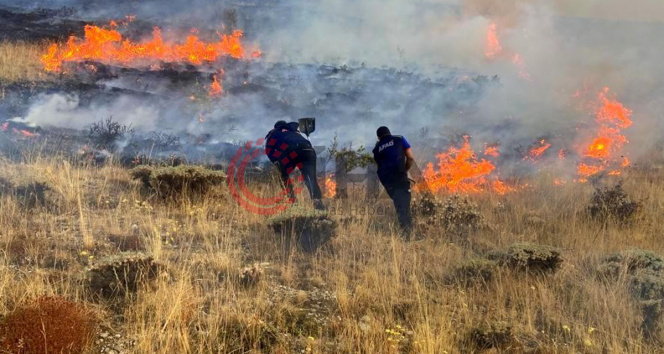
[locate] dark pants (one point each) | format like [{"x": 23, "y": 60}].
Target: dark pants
[
  {"x": 401, "y": 199},
  {"x": 306, "y": 159}
]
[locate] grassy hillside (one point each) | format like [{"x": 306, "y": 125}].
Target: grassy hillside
[{"x": 204, "y": 275}]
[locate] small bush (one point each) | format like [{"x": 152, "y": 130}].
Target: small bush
[
  {"x": 647, "y": 286},
  {"x": 48, "y": 325},
  {"x": 142, "y": 173},
  {"x": 251, "y": 276},
  {"x": 32, "y": 194},
  {"x": 105, "y": 133},
  {"x": 612, "y": 204},
  {"x": 457, "y": 215},
  {"x": 651, "y": 326},
  {"x": 312, "y": 228},
  {"x": 122, "y": 274},
  {"x": 530, "y": 257},
  {"x": 495, "y": 335},
  {"x": 632, "y": 261},
  {"x": 474, "y": 271},
  {"x": 180, "y": 181}
]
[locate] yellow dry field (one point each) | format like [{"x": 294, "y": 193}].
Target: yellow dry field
[
  {"x": 364, "y": 292},
  {"x": 20, "y": 62}
]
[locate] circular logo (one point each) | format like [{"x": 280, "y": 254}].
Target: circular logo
[{"x": 287, "y": 161}]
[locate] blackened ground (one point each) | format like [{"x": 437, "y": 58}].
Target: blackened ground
[{"x": 38, "y": 25}]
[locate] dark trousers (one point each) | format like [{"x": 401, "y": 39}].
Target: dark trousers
[
  {"x": 306, "y": 159},
  {"x": 401, "y": 198}
]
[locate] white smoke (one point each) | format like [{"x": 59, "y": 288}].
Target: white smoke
[
  {"x": 66, "y": 111},
  {"x": 566, "y": 47}
]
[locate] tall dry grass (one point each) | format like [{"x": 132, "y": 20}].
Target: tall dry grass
[
  {"x": 366, "y": 291},
  {"x": 20, "y": 62}
]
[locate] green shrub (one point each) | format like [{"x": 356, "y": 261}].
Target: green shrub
[
  {"x": 530, "y": 257},
  {"x": 612, "y": 204},
  {"x": 179, "y": 181},
  {"x": 48, "y": 325},
  {"x": 457, "y": 215},
  {"x": 142, "y": 173},
  {"x": 651, "y": 326},
  {"x": 632, "y": 261},
  {"x": 121, "y": 274},
  {"x": 312, "y": 228}
]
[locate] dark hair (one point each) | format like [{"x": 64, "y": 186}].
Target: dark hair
[
  {"x": 383, "y": 131},
  {"x": 279, "y": 123}
]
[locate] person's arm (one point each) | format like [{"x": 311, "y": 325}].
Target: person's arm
[{"x": 410, "y": 158}]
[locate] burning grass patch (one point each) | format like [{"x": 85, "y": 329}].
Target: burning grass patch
[
  {"x": 116, "y": 276},
  {"x": 311, "y": 228},
  {"x": 613, "y": 204},
  {"x": 48, "y": 325},
  {"x": 179, "y": 181}
]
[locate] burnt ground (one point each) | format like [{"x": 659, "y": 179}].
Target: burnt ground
[{"x": 38, "y": 25}]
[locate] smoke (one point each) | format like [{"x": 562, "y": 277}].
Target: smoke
[
  {"x": 411, "y": 65},
  {"x": 66, "y": 111}
]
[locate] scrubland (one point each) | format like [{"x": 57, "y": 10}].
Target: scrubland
[{"x": 86, "y": 249}]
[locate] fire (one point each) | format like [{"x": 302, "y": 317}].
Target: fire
[
  {"x": 493, "y": 47},
  {"x": 538, "y": 150},
  {"x": 216, "y": 90},
  {"x": 491, "y": 151},
  {"x": 108, "y": 46},
  {"x": 520, "y": 64},
  {"x": 561, "y": 154},
  {"x": 559, "y": 182},
  {"x": 330, "y": 187},
  {"x": 460, "y": 171},
  {"x": 601, "y": 153}
]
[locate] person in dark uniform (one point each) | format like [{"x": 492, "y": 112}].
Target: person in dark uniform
[
  {"x": 394, "y": 158},
  {"x": 288, "y": 149}
]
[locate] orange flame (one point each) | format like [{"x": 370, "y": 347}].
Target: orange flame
[
  {"x": 108, "y": 46},
  {"x": 216, "y": 90},
  {"x": 601, "y": 153},
  {"x": 520, "y": 64},
  {"x": 537, "y": 151},
  {"x": 460, "y": 171},
  {"x": 492, "y": 47},
  {"x": 559, "y": 182},
  {"x": 330, "y": 187},
  {"x": 491, "y": 151}
]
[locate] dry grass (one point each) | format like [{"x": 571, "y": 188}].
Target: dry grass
[
  {"x": 20, "y": 62},
  {"x": 366, "y": 291}
]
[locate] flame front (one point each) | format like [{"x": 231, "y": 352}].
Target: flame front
[
  {"x": 602, "y": 153},
  {"x": 537, "y": 151},
  {"x": 108, "y": 46},
  {"x": 460, "y": 171}
]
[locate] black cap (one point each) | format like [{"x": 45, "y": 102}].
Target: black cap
[
  {"x": 279, "y": 123},
  {"x": 383, "y": 131}
]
